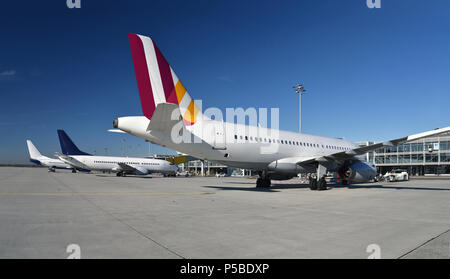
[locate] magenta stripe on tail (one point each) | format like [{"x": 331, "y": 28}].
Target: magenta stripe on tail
[
  {"x": 142, "y": 75},
  {"x": 166, "y": 77}
]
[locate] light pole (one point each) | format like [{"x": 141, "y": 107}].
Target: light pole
[{"x": 300, "y": 90}]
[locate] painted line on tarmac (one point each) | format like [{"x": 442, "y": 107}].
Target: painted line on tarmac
[{"x": 104, "y": 194}]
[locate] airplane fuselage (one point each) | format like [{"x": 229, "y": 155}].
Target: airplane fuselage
[
  {"x": 111, "y": 163},
  {"x": 51, "y": 163},
  {"x": 238, "y": 145}
]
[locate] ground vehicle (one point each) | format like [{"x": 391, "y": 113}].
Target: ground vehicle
[
  {"x": 396, "y": 175},
  {"x": 183, "y": 173}
]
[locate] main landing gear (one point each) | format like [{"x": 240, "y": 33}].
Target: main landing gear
[
  {"x": 121, "y": 173},
  {"x": 263, "y": 181},
  {"x": 318, "y": 181}
]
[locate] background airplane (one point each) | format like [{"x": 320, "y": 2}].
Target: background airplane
[
  {"x": 120, "y": 165},
  {"x": 169, "y": 112},
  {"x": 37, "y": 158}
]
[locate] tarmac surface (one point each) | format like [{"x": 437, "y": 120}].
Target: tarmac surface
[{"x": 42, "y": 213}]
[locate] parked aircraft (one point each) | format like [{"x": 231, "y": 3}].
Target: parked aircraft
[
  {"x": 37, "y": 158},
  {"x": 171, "y": 113},
  {"x": 120, "y": 165}
]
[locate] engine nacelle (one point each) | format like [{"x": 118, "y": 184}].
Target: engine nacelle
[
  {"x": 141, "y": 171},
  {"x": 359, "y": 172},
  {"x": 281, "y": 176}
]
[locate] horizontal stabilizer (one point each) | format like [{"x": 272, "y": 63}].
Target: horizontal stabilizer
[
  {"x": 116, "y": 131},
  {"x": 166, "y": 115}
]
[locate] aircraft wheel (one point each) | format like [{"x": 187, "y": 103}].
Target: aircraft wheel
[
  {"x": 263, "y": 183},
  {"x": 322, "y": 184},
  {"x": 259, "y": 183},
  {"x": 266, "y": 183},
  {"x": 312, "y": 184}
]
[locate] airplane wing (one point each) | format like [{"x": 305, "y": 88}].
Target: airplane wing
[
  {"x": 71, "y": 161},
  {"x": 349, "y": 154},
  {"x": 126, "y": 167}
]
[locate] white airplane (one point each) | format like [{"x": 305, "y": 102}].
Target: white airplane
[
  {"x": 37, "y": 158},
  {"x": 170, "y": 113},
  {"x": 120, "y": 165}
]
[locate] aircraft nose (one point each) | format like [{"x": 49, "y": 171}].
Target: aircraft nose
[{"x": 116, "y": 123}]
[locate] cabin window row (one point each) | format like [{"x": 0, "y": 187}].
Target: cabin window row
[
  {"x": 306, "y": 144},
  {"x": 128, "y": 163}
]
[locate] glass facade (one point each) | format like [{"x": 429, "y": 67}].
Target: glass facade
[{"x": 421, "y": 157}]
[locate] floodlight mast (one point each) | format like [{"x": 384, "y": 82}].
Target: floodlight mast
[{"x": 300, "y": 90}]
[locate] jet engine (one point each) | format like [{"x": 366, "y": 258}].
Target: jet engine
[
  {"x": 358, "y": 172},
  {"x": 141, "y": 171}
]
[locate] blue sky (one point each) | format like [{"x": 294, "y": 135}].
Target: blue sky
[{"x": 371, "y": 74}]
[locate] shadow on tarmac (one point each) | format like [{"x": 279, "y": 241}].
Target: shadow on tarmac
[
  {"x": 128, "y": 176},
  {"x": 275, "y": 187}
]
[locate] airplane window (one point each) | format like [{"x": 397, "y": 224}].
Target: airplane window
[
  {"x": 241, "y": 137},
  {"x": 251, "y": 138},
  {"x": 246, "y": 138},
  {"x": 235, "y": 136},
  {"x": 269, "y": 141}
]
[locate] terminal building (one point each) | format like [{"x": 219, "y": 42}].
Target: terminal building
[{"x": 427, "y": 156}]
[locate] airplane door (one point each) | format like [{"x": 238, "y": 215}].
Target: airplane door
[{"x": 219, "y": 136}]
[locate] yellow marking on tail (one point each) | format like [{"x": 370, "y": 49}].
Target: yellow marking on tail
[
  {"x": 191, "y": 112},
  {"x": 180, "y": 90}
]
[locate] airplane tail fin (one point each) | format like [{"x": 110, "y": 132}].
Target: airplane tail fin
[
  {"x": 34, "y": 152},
  {"x": 157, "y": 82},
  {"x": 67, "y": 145}
]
